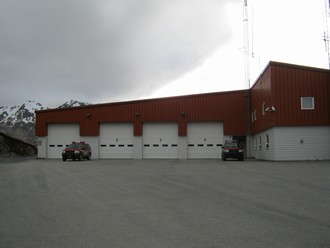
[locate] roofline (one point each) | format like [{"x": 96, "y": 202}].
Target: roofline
[
  {"x": 141, "y": 101},
  {"x": 288, "y": 65},
  {"x": 270, "y": 63}
]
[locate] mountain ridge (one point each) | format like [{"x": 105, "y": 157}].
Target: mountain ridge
[{"x": 19, "y": 121}]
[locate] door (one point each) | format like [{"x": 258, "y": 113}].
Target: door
[
  {"x": 205, "y": 139},
  {"x": 160, "y": 140},
  {"x": 116, "y": 140},
  {"x": 59, "y": 137}
]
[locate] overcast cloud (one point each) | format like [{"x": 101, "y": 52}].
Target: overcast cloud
[{"x": 103, "y": 50}]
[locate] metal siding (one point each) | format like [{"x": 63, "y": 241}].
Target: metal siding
[
  {"x": 228, "y": 107},
  {"x": 265, "y": 153},
  {"x": 294, "y": 83},
  {"x": 302, "y": 143},
  {"x": 287, "y": 84}
]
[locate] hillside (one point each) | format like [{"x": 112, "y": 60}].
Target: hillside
[{"x": 10, "y": 147}]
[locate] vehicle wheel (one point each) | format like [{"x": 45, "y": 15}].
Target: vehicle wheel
[
  {"x": 80, "y": 157},
  {"x": 89, "y": 157},
  {"x": 223, "y": 158},
  {"x": 64, "y": 159}
]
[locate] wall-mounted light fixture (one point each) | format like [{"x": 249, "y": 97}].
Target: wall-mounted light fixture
[
  {"x": 182, "y": 113},
  {"x": 270, "y": 109},
  {"x": 88, "y": 115},
  {"x": 137, "y": 114}
]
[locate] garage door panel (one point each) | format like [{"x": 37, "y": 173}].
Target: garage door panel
[
  {"x": 59, "y": 137},
  {"x": 160, "y": 140},
  {"x": 116, "y": 140},
  {"x": 204, "y": 139}
]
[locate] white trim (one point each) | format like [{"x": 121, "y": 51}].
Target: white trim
[{"x": 302, "y": 103}]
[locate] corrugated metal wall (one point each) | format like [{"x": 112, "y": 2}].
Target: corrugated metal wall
[
  {"x": 227, "y": 107},
  {"x": 282, "y": 86}
]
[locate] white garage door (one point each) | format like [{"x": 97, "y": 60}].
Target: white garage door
[
  {"x": 59, "y": 137},
  {"x": 160, "y": 140},
  {"x": 205, "y": 139},
  {"x": 116, "y": 140}
]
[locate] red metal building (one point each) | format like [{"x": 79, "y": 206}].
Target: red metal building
[
  {"x": 195, "y": 126},
  {"x": 290, "y": 113}
]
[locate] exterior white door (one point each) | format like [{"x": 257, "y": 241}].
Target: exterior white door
[
  {"x": 59, "y": 137},
  {"x": 160, "y": 140},
  {"x": 205, "y": 139},
  {"x": 116, "y": 140}
]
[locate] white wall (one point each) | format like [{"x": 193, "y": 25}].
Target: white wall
[
  {"x": 183, "y": 147},
  {"x": 294, "y": 143},
  {"x": 42, "y": 147},
  {"x": 138, "y": 147}
]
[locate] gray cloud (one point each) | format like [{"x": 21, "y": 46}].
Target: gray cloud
[{"x": 102, "y": 50}]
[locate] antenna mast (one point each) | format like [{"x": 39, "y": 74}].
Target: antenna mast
[
  {"x": 246, "y": 49},
  {"x": 326, "y": 31}
]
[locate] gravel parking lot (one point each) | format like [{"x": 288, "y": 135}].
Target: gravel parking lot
[{"x": 164, "y": 203}]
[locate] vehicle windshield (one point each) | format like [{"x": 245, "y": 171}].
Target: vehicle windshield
[
  {"x": 74, "y": 146},
  {"x": 231, "y": 145}
]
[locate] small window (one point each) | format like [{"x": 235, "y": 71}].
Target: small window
[
  {"x": 307, "y": 102},
  {"x": 267, "y": 142},
  {"x": 255, "y": 144},
  {"x": 263, "y": 108},
  {"x": 259, "y": 143}
]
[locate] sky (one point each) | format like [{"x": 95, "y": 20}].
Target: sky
[{"x": 101, "y": 51}]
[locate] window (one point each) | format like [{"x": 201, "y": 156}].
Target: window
[
  {"x": 307, "y": 102},
  {"x": 255, "y": 144},
  {"x": 254, "y": 115},
  {"x": 259, "y": 143},
  {"x": 263, "y": 108},
  {"x": 267, "y": 142}
]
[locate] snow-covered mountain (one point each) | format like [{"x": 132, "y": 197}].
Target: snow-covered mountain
[
  {"x": 11, "y": 115},
  {"x": 19, "y": 121},
  {"x": 73, "y": 103}
]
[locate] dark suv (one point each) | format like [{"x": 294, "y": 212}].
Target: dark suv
[
  {"x": 232, "y": 149},
  {"x": 77, "y": 150}
]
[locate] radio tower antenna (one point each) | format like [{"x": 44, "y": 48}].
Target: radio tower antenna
[
  {"x": 246, "y": 48},
  {"x": 326, "y": 37}
]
